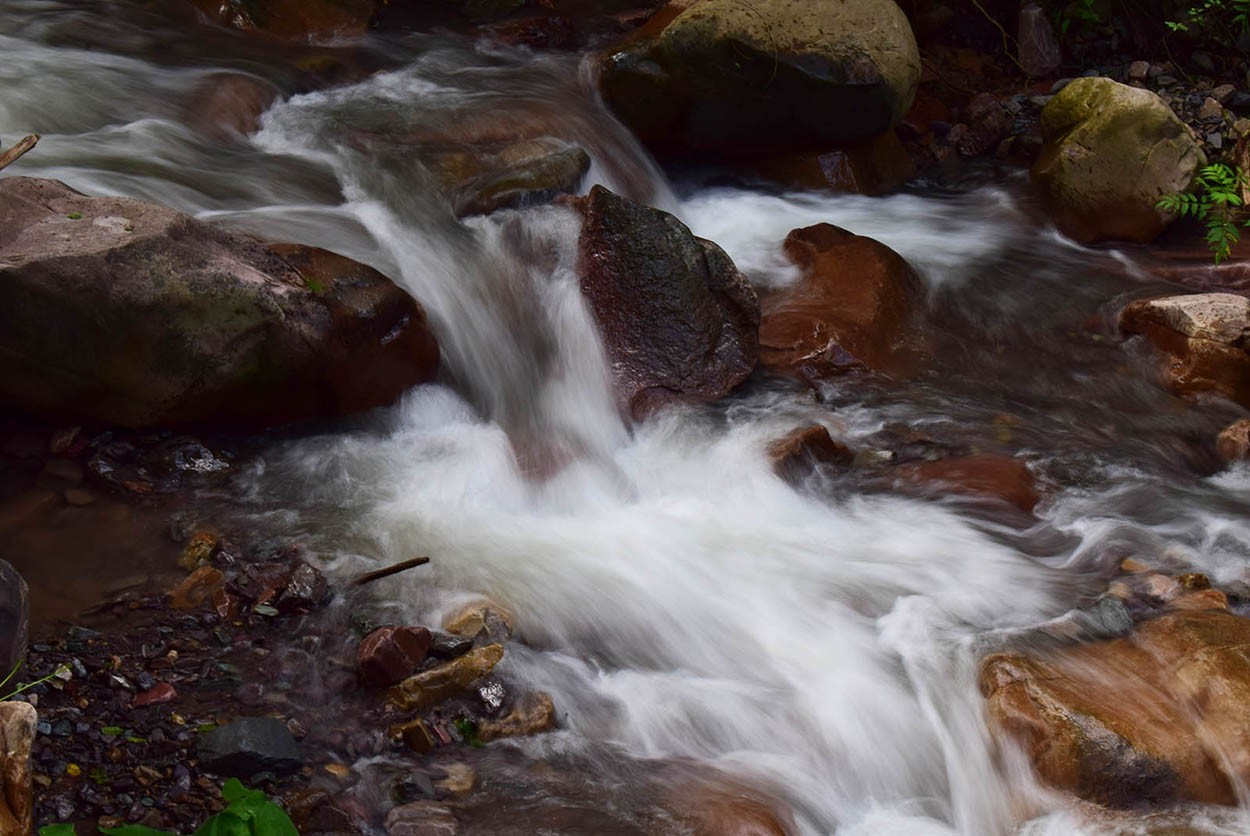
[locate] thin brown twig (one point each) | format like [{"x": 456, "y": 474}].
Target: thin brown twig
[
  {"x": 1008, "y": 41},
  {"x": 25, "y": 144},
  {"x": 395, "y": 569}
]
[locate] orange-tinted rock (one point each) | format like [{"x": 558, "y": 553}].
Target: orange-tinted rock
[
  {"x": 226, "y": 107},
  {"x": 797, "y": 453},
  {"x": 985, "y": 475},
  {"x": 1200, "y": 337},
  {"x": 197, "y": 588},
  {"x": 296, "y": 20},
  {"x": 877, "y": 167},
  {"x": 531, "y": 714},
  {"x": 679, "y": 322},
  {"x": 729, "y": 808},
  {"x": 1158, "y": 716},
  {"x": 854, "y": 309},
  {"x": 390, "y": 654},
  {"x": 17, "y": 738},
  {"x": 1234, "y": 441},
  {"x": 161, "y": 692}
]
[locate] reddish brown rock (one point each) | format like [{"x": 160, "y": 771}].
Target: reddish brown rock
[
  {"x": 877, "y": 167},
  {"x": 1157, "y": 717},
  {"x": 984, "y": 475},
  {"x": 797, "y": 453},
  {"x": 390, "y": 654},
  {"x": 679, "y": 322},
  {"x": 854, "y": 309},
  {"x": 161, "y": 692},
  {"x": 226, "y": 107},
  {"x": 729, "y": 808},
  {"x": 1201, "y": 340},
  {"x": 1234, "y": 441}
]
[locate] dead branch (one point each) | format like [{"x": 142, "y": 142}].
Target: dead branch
[
  {"x": 25, "y": 144},
  {"x": 377, "y": 574}
]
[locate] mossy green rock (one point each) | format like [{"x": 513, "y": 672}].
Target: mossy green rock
[
  {"x": 120, "y": 312},
  {"x": 1111, "y": 151},
  {"x": 768, "y": 76}
]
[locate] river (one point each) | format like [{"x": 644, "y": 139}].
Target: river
[{"x": 676, "y": 598}]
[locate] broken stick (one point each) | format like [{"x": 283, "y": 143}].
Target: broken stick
[
  {"x": 9, "y": 157},
  {"x": 395, "y": 569}
]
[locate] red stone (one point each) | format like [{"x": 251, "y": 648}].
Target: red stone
[
  {"x": 159, "y": 693},
  {"x": 985, "y": 475},
  {"x": 853, "y": 310},
  {"x": 390, "y": 654}
]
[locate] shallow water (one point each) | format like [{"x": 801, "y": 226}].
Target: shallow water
[{"x": 676, "y": 598}]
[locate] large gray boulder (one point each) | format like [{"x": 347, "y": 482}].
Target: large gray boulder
[
  {"x": 765, "y": 77},
  {"x": 1110, "y": 152},
  {"x": 121, "y": 312}
]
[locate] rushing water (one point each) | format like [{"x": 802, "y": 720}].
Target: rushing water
[{"x": 674, "y": 596}]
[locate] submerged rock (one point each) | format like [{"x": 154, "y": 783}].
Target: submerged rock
[
  {"x": 17, "y": 737},
  {"x": 854, "y": 308},
  {"x": 249, "y": 746},
  {"x": 1110, "y": 152},
  {"x": 765, "y": 77},
  {"x": 296, "y": 20},
  {"x": 479, "y": 180},
  {"x": 679, "y": 322},
  {"x": 1156, "y": 717},
  {"x": 1202, "y": 340},
  {"x": 796, "y": 454},
  {"x": 989, "y": 476},
  {"x": 1234, "y": 441},
  {"x": 121, "y": 312}
]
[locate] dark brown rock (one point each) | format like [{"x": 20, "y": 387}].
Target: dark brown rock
[
  {"x": 854, "y": 309},
  {"x": 316, "y": 21},
  {"x": 479, "y": 180},
  {"x": 116, "y": 311},
  {"x": 679, "y": 322},
  {"x": 985, "y": 475},
  {"x": 226, "y": 107},
  {"x": 14, "y": 618},
  {"x": 797, "y": 454},
  {"x": 305, "y": 589},
  {"x": 877, "y": 167},
  {"x": 1156, "y": 717},
  {"x": 390, "y": 654}
]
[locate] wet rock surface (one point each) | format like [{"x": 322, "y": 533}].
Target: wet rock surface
[
  {"x": 679, "y": 322},
  {"x": 1200, "y": 339},
  {"x": 1155, "y": 716},
  {"x": 854, "y": 309},
  {"x": 249, "y": 746},
  {"x": 126, "y": 313},
  {"x": 781, "y": 75}
]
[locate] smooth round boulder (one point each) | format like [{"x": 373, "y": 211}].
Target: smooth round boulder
[
  {"x": 771, "y": 76},
  {"x": 1109, "y": 153},
  {"x": 125, "y": 313}
]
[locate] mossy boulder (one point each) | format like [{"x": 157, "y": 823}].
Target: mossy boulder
[
  {"x": 1110, "y": 152},
  {"x": 126, "y": 313},
  {"x": 771, "y": 76}
]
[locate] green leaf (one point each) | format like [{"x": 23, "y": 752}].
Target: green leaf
[
  {"x": 57, "y": 830},
  {"x": 223, "y": 824},
  {"x": 135, "y": 830},
  {"x": 272, "y": 820},
  {"x": 265, "y": 609}
]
